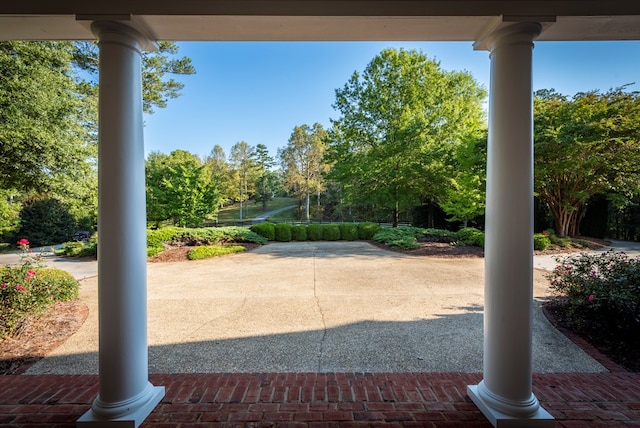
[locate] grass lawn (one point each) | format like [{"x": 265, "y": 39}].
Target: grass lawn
[{"x": 232, "y": 212}]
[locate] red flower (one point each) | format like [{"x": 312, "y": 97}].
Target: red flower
[
  {"x": 23, "y": 242},
  {"x": 4, "y": 285},
  {"x": 20, "y": 288},
  {"x": 31, "y": 273}
]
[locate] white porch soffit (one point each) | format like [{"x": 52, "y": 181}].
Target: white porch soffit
[{"x": 306, "y": 20}]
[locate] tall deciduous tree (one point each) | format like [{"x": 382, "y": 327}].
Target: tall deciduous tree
[
  {"x": 243, "y": 162},
  {"x": 42, "y": 137},
  {"x": 400, "y": 122},
  {"x": 585, "y": 145},
  {"x": 465, "y": 198},
  {"x": 221, "y": 174},
  {"x": 303, "y": 162},
  {"x": 264, "y": 162},
  {"x": 180, "y": 189}
]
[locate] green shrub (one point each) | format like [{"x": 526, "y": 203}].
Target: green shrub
[
  {"x": 366, "y": 230},
  {"x": 216, "y": 235},
  {"x": 471, "y": 236},
  {"x": 208, "y": 251},
  {"x": 283, "y": 232},
  {"x": 330, "y": 232},
  {"x": 46, "y": 222},
  {"x": 152, "y": 251},
  {"x": 264, "y": 229},
  {"x": 157, "y": 237},
  {"x": 399, "y": 237},
  {"x": 439, "y": 232},
  {"x": 348, "y": 231},
  {"x": 314, "y": 232},
  {"x": 541, "y": 242},
  {"x": 299, "y": 233},
  {"x": 28, "y": 289},
  {"x": 599, "y": 288}
]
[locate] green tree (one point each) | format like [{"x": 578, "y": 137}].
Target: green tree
[
  {"x": 585, "y": 145},
  {"x": 180, "y": 189},
  {"x": 264, "y": 162},
  {"x": 302, "y": 161},
  {"x": 221, "y": 174},
  {"x": 465, "y": 198},
  {"x": 400, "y": 122},
  {"x": 242, "y": 159},
  {"x": 42, "y": 137},
  {"x": 157, "y": 88}
]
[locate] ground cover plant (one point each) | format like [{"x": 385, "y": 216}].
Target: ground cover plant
[{"x": 208, "y": 251}]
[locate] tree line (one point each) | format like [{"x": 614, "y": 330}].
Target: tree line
[{"x": 407, "y": 134}]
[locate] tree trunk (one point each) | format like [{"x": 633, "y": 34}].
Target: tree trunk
[
  {"x": 264, "y": 194},
  {"x": 396, "y": 214},
  {"x": 241, "y": 202},
  {"x": 307, "y": 205}
]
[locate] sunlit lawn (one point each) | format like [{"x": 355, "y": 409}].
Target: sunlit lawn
[{"x": 232, "y": 212}]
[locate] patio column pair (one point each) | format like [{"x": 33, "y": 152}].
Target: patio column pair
[
  {"x": 505, "y": 394},
  {"x": 126, "y": 396}
]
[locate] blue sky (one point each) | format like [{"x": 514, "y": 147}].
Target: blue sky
[{"x": 259, "y": 91}]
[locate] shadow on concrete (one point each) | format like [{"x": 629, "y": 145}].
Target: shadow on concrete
[{"x": 441, "y": 343}]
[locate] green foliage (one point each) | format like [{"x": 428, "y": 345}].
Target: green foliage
[
  {"x": 157, "y": 237},
  {"x": 330, "y": 232},
  {"x": 367, "y": 230},
  {"x": 216, "y": 235},
  {"x": 299, "y": 232},
  {"x": 348, "y": 231},
  {"x": 42, "y": 137},
  {"x": 595, "y": 137},
  {"x": 471, "y": 236},
  {"x": 600, "y": 287},
  {"x": 283, "y": 232},
  {"x": 46, "y": 221},
  {"x": 208, "y": 251},
  {"x": 399, "y": 237},
  {"x": 439, "y": 232},
  {"x": 314, "y": 232},
  {"x": 303, "y": 163},
  {"x": 400, "y": 120},
  {"x": 179, "y": 188},
  {"x": 264, "y": 229},
  {"x": 541, "y": 242},
  {"x": 244, "y": 171},
  {"x": 27, "y": 289}
]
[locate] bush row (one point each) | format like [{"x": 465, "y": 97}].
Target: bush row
[
  {"x": 406, "y": 237},
  {"x": 284, "y": 232}
]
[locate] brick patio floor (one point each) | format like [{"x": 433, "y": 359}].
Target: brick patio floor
[{"x": 323, "y": 400}]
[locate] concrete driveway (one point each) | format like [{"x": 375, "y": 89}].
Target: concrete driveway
[{"x": 316, "y": 307}]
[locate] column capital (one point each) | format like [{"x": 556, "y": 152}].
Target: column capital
[
  {"x": 120, "y": 32},
  {"x": 511, "y": 33}
]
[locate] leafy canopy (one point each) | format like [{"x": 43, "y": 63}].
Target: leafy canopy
[{"x": 399, "y": 123}]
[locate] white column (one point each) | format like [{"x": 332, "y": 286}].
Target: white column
[
  {"x": 505, "y": 394},
  {"x": 126, "y": 396}
]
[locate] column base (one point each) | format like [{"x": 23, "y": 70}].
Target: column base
[
  {"x": 131, "y": 419},
  {"x": 540, "y": 419}
]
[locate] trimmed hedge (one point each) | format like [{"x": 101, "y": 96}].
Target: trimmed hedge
[
  {"x": 299, "y": 233},
  {"x": 541, "y": 242},
  {"x": 314, "y": 232},
  {"x": 208, "y": 251},
  {"x": 471, "y": 236},
  {"x": 283, "y": 232},
  {"x": 348, "y": 231},
  {"x": 265, "y": 229},
  {"x": 367, "y": 230},
  {"x": 330, "y": 232}
]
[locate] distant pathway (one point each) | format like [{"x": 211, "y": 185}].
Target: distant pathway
[{"x": 265, "y": 216}]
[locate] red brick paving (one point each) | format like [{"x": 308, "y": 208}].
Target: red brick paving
[{"x": 313, "y": 400}]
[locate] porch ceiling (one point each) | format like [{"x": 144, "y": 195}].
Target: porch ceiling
[{"x": 444, "y": 20}]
